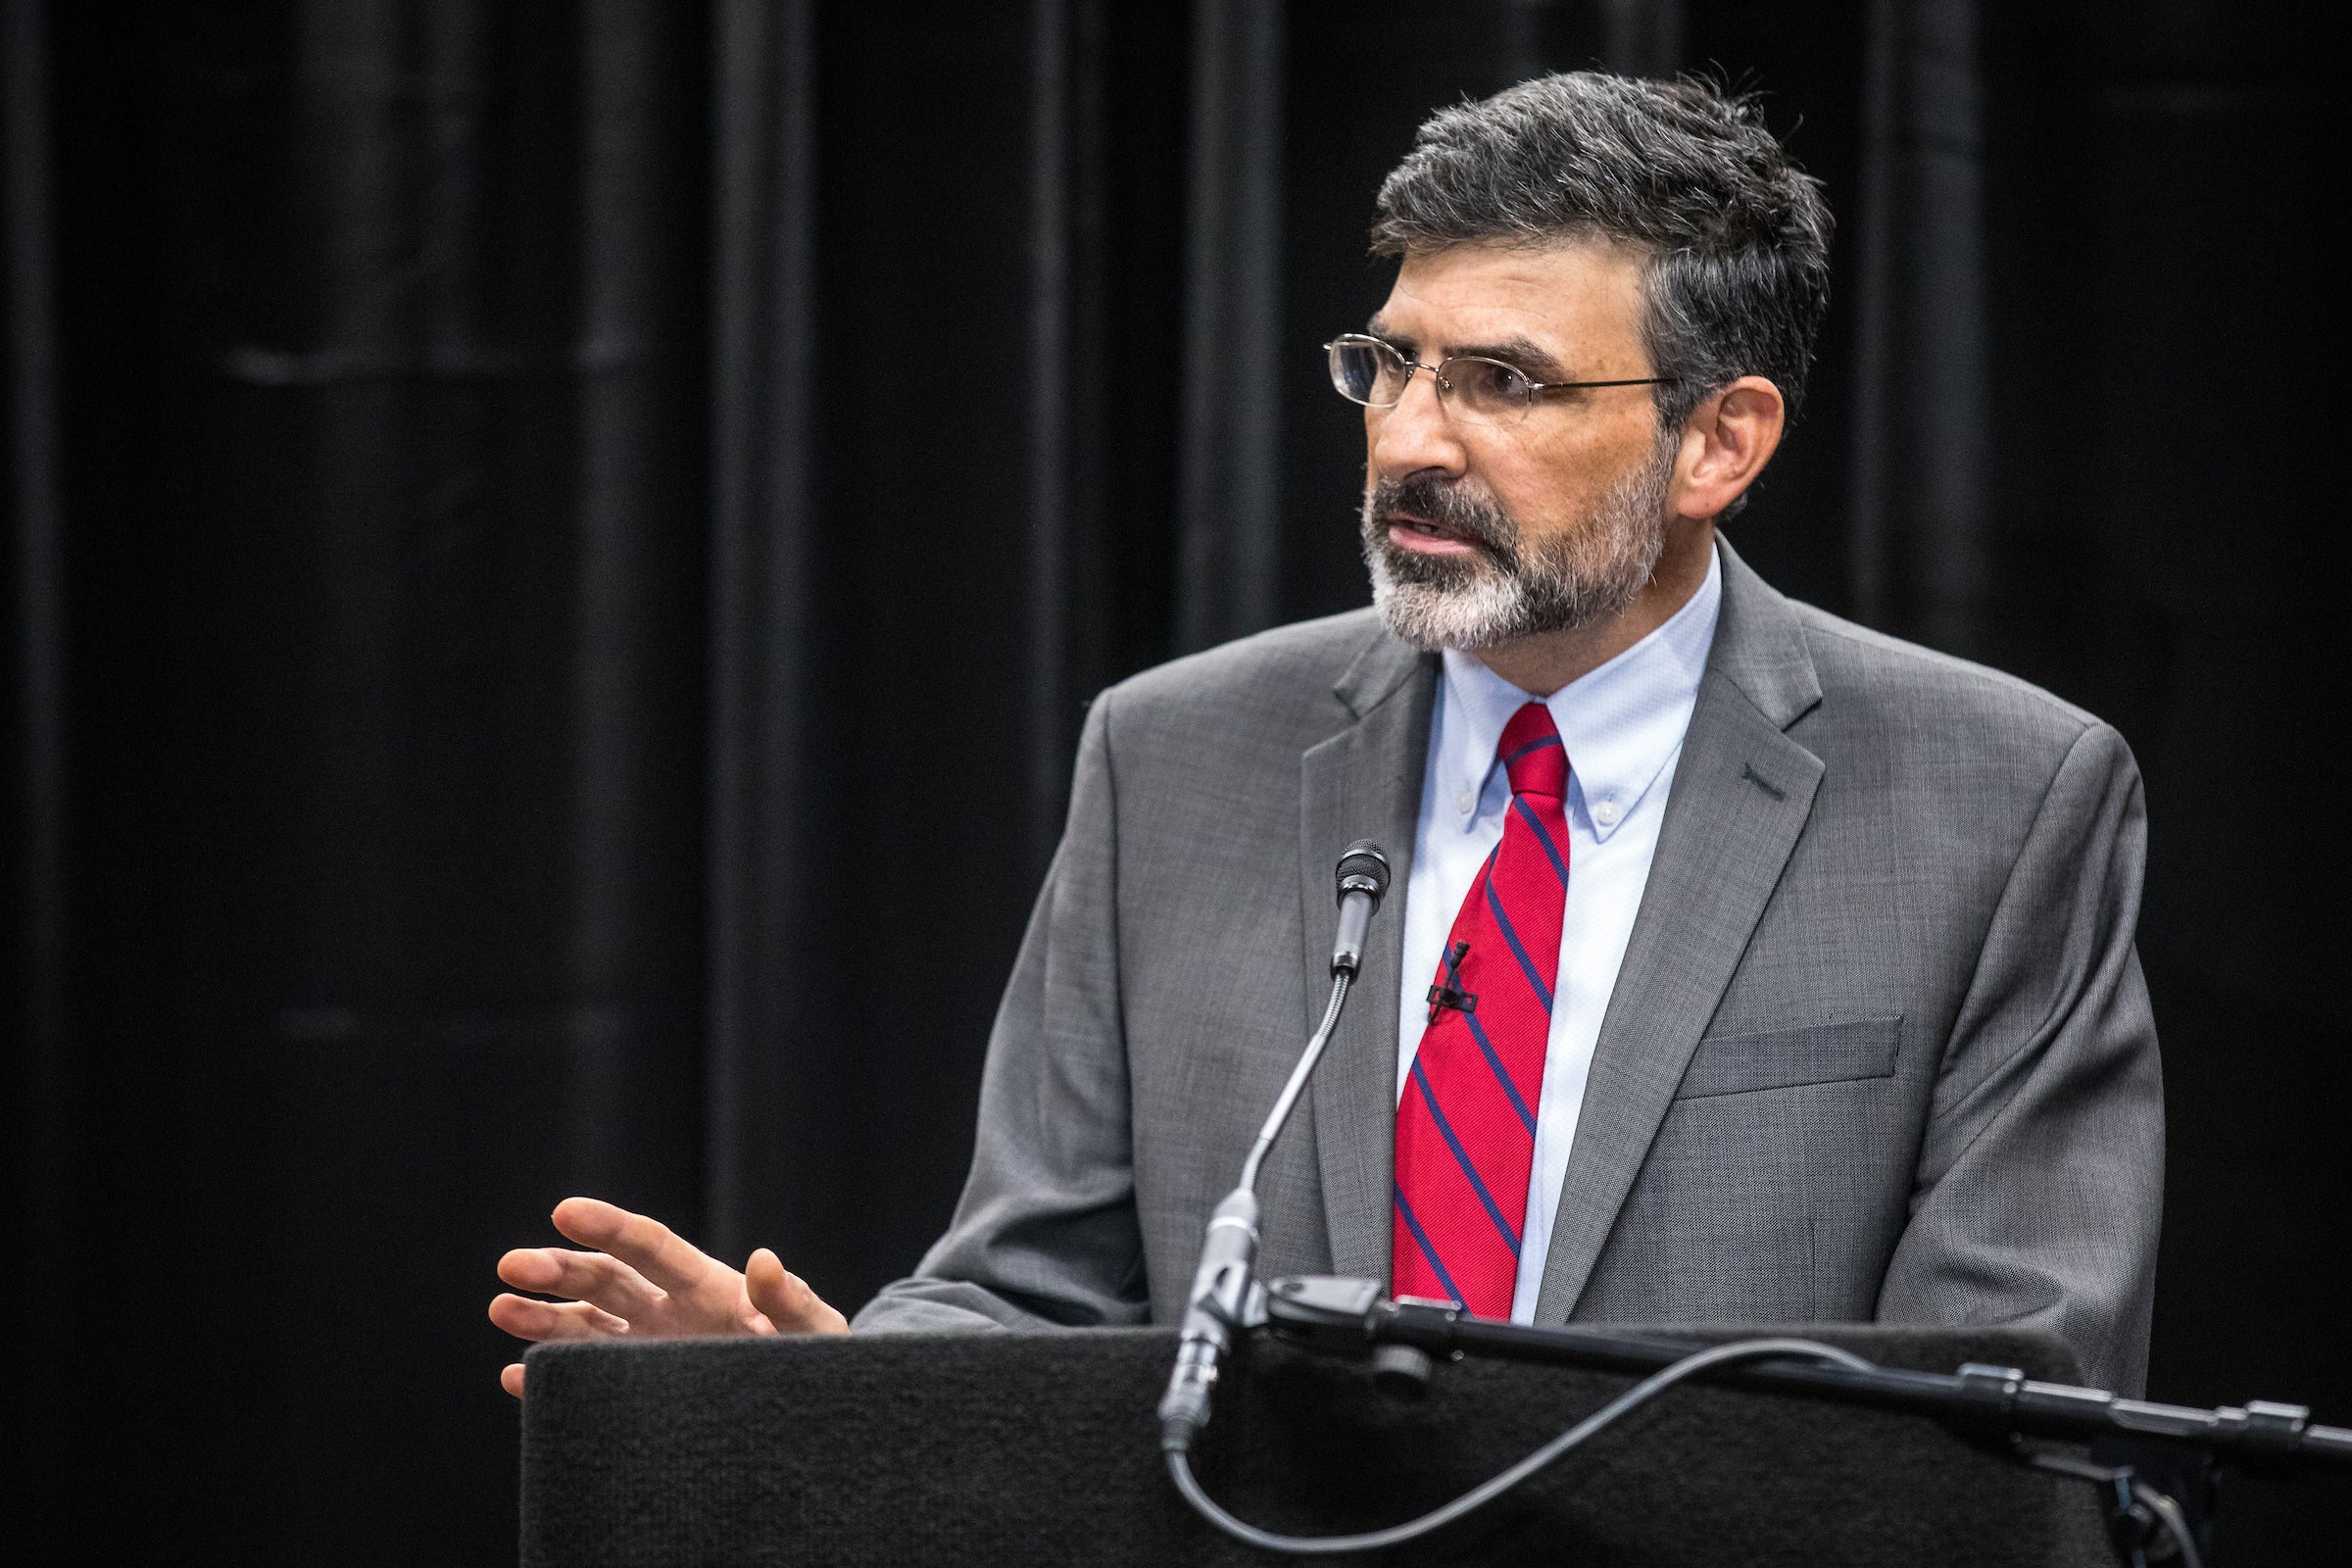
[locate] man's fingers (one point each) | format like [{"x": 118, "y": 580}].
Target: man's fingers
[
  {"x": 584, "y": 1277},
  {"x": 786, "y": 1300},
  {"x": 510, "y": 1378},
  {"x": 527, "y": 1319},
  {"x": 646, "y": 1245},
  {"x": 531, "y": 1268}
]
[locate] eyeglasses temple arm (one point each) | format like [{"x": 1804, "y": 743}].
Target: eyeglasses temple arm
[{"x": 1565, "y": 386}]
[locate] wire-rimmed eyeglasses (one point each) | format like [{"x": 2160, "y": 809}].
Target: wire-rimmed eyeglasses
[{"x": 1374, "y": 372}]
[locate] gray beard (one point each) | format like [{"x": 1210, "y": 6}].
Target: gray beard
[{"x": 1511, "y": 590}]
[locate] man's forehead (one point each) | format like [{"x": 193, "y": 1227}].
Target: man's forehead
[{"x": 1466, "y": 295}]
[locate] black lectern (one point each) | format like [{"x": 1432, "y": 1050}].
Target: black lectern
[{"x": 1043, "y": 1449}]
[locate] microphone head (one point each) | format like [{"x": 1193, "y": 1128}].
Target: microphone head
[{"x": 1365, "y": 868}]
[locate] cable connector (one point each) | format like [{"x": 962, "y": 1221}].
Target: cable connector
[{"x": 1220, "y": 1305}]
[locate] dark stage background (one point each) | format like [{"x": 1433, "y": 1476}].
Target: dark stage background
[{"x": 556, "y": 553}]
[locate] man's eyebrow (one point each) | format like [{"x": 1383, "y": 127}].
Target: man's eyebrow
[{"x": 1520, "y": 352}]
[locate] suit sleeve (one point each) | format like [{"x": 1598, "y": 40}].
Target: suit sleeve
[
  {"x": 2041, "y": 1174},
  {"x": 1046, "y": 1233}
]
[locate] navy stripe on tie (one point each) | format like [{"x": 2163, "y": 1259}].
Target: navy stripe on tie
[
  {"x": 1428, "y": 1098},
  {"x": 1478, "y": 1032},
  {"x": 1543, "y": 991},
  {"x": 1531, "y": 746},
  {"x": 1429, "y": 1248},
  {"x": 1542, "y": 837}
]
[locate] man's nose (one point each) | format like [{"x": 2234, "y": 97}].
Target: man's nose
[{"x": 1415, "y": 434}]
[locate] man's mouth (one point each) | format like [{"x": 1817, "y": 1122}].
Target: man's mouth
[{"x": 1425, "y": 536}]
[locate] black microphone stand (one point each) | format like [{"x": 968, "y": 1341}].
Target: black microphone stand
[{"x": 1999, "y": 1405}]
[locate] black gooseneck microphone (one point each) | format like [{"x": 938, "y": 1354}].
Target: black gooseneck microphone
[{"x": 1225, "y": 1295}]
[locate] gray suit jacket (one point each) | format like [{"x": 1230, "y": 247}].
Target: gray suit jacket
[{"x": 1879, "y": 1048}]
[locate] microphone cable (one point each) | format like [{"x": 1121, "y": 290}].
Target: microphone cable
[
  {"x": 2152, "y": 1507},
  {"x": 1180, "y": 1464}
]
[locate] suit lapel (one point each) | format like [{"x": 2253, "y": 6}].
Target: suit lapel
[
  {"x": 1364, "y": 782},
  {"x": 1743, "y": 791}
]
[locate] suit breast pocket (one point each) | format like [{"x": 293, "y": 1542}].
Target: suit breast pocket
[{"x": 1787, "y": 1059}]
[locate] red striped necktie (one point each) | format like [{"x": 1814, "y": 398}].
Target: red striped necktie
[{"x": 1466, "y": 1121}]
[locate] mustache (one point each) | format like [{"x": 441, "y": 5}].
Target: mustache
[{"x": 1447, "y": 504}]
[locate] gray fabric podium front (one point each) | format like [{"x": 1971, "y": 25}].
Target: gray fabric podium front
[{"x": 1042, "y": 1449}]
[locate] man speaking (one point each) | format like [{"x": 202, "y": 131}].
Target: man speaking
[{"x": 1751, "y": 965}]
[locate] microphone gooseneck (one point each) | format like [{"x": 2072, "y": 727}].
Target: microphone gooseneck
[{"x": 1224, "y": 1293}]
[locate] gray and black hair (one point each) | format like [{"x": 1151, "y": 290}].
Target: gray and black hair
[{"x": 1736, "y": 235}]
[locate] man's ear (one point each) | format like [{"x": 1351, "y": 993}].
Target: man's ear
[{"x": 1726, "y": 443}]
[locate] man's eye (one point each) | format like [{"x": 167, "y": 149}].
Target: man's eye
[{"x": 1490, "y": 381}]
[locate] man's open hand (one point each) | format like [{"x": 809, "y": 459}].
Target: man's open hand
[{"x": 643, "y": 1279}]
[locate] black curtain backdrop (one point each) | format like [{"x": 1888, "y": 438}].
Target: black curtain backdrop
[{"x": 556, "y": 553}]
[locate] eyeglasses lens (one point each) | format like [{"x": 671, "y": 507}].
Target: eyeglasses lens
[
  {"x": 1487, "y": 389},
  {"x": 1366, "y": 371}
]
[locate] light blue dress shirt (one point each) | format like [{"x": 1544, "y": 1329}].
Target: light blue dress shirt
[{"x": 1623, "y": 726}]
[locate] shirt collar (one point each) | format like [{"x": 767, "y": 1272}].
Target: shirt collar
[{"x": 1621, "y": 723}]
